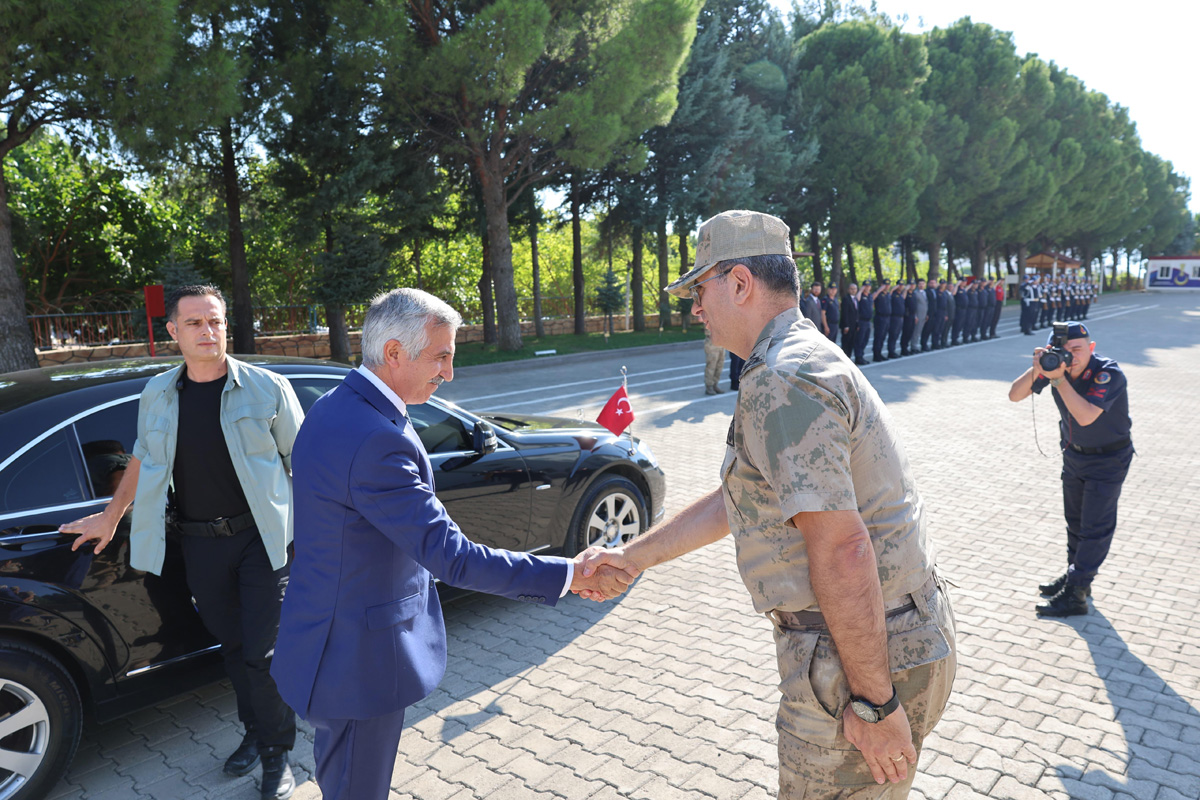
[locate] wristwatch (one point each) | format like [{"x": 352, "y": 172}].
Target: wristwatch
[
  {"x": 1055, "y": 382},
  {"x": 869, "y": 712}
]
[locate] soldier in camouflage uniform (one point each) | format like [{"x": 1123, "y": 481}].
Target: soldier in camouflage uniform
[{"x": 829, "y": 529}]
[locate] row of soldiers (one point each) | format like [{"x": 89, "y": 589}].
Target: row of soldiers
[
  {"x": 1045, "y": 300},
  {"x": 905, "y": 318}
]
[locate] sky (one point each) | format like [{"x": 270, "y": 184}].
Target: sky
[{"x": 1144, "y": 56}]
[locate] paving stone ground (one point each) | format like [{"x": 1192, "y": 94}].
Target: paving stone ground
[{"x": 670, "y": 692}]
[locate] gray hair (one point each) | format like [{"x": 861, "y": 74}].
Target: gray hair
[
  {"x": 778, "y": 272},
  {"x": 403, "y": 315}
]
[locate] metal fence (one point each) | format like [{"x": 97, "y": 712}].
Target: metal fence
[{"x": 99, "y": 328}]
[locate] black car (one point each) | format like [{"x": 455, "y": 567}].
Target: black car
[{"x": 84, "y": 633}]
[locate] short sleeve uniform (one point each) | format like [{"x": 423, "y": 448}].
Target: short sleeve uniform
[
  {"x": 811, "y": 434},
  {"x": 1103, "y": 385}
]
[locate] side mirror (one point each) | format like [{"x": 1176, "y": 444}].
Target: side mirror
[{"x": 483, "y": 438}]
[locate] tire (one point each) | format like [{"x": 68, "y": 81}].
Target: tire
[
  {"x": 611, "y": 514},
  {"x": 41, "y": 717}
]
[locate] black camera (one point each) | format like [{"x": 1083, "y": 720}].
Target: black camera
[{"x": 1056, "y": 355}]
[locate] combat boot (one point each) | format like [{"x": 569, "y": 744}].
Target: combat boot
[
  {"x": 1055, "y": 586},
  {"x": 1070, "y": 602}
]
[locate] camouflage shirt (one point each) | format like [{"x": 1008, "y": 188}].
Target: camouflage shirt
[{"x": 811, "y": 434}]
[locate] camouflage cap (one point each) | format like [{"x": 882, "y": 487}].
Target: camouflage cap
[{"x": 734, "y": 234}]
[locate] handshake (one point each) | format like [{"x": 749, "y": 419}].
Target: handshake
[{"x": 603, "y": 573}]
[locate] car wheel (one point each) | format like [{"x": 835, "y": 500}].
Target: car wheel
[
  {"x": 40, "y": 721},
  {"x": 612, "y": 513}
]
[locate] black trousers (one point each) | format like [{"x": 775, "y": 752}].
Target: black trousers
[
  {"x": 239, "y": 596},
  {"x": 1091, "y": 489}
]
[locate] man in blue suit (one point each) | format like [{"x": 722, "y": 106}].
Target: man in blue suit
[{"x": 361, "y": 635}]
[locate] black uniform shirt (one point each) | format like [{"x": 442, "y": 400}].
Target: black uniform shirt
[{"x": 1103, "y": 385}]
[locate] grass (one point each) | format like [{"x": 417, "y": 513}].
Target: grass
[{"x": 473, "y": 353}]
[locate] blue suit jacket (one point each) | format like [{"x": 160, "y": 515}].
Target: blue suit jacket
[{"x": 361, "y": 634}]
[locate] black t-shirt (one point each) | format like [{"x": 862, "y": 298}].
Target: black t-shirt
[
  {"x": 1103, "y": 385},
  {"x": 206, "y": 485}
]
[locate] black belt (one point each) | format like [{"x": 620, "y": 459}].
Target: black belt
[
  {"x": 217, "y": 528},
  {"x": 808, "y": 619},
  {"x": 1108, "y": 448}
]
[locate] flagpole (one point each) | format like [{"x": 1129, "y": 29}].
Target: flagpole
[{"x": 629, "y": 427}]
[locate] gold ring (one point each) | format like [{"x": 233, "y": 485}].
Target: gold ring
[{"x": 898, "y": 758}]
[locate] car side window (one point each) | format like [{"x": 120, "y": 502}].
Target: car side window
[
  {"x": 309, "y": 389},
  {"x": 106, "y": 438},
  {"x": 440, "y": 431},
  {"x": 45, "y": 475}
]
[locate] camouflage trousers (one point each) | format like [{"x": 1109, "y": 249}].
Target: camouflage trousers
[
  {"x": 816, "y": 762},
  {"x": 714, "y": 361}
]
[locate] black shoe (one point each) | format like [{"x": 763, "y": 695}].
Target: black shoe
[
  {"x": 1070, "y": 602},
  {"x": 245, "y": 758},
  {"x": 1055, "y": 586},
  {"x": 862, "y": 362},
  {"x": 278, "y": 782}
]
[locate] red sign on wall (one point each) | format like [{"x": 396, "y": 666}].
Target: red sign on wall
[{"x": 155, "y": 305}]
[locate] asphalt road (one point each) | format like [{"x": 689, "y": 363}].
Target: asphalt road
[{"x": 670, "y": 691}]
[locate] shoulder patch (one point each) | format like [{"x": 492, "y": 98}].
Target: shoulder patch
[
  {"x": 1103, "y": 377},
  {"x": 1087, "y": 374}
]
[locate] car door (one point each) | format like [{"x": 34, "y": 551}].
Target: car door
[
  {"x": 489, "y": 495},
  {"x": 139, "y": 621}
]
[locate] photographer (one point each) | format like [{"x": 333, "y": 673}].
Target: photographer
[{"x": 1089, "y": 391}]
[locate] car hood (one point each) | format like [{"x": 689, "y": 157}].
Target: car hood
[{"x": 530, "y": 423}]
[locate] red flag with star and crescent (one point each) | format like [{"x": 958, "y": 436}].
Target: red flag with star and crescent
[{"x": 617, "y": 412}]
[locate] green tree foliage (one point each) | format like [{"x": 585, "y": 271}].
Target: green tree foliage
[
  {"x": 861, "y": 82},
  {"x": 202, "y": 113},
  {"x": 355, "y": 180},
  {"x": 67, "y": 65},
  {"x": 516, "y": 88},
  {"x": 84, "y": 239}
]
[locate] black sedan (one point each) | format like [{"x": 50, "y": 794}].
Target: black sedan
[{"x": 84, "y": 633}]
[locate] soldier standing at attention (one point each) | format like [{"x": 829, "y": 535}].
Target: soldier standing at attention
[{"x": 883, "y": 323}]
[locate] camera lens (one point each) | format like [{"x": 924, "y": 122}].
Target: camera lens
[{"x": 1049, "y": 361}]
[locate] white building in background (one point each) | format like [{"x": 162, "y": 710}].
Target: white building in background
[{"x": 1173, "y": 273}]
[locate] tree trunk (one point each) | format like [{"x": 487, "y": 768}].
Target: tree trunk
[
  {"x": 910, "y": 258},
  {"x": 577, "y": 260},
  {"x": 539, "y": 327},
  {"x": 979, "y": 258},
  {"x": 850, "y": 262},
  {"x": 935, "y": 261},
  {"x": 484, "y": 287},
  {"x": 637, "y": 281},
  {"x": 835, "y": 258},
  {"x": 814, "y": 244},
  {"x": 1022, "y": 256},
  {"x": 335, "y": 318},
  {"x": 664, "y": 277},
  {"x": 499, "y": 249},
  {"x": 16, "y": 342},
  {"x": 951, "y": 270},
  {"x": 243, "y": 314},
  {"x": 339, "y": 333},
  {"x": 878, "y": 263}
]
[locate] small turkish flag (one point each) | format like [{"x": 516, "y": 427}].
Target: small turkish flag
[{"x": 617, "y": 412}]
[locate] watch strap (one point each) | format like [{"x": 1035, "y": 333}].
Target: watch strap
[{"x": 881, "y": 712}]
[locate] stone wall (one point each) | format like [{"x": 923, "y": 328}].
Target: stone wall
[{"x": 314, "y": 345}]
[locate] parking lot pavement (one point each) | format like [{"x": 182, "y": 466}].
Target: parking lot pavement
[{"x": 670, "y": 692}]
